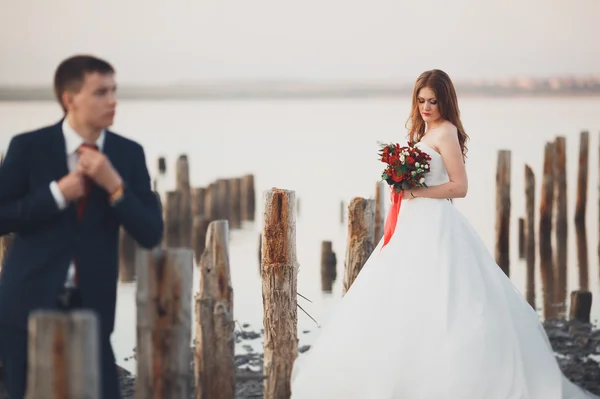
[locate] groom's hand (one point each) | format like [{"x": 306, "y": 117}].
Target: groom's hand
[
  {"x": 96, "y": 166},
  {"x": 72, "y": 186}
]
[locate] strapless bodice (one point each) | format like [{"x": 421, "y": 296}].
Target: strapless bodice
[{"x": 437, "y": 170}]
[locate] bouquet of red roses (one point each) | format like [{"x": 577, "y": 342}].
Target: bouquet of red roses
[
  {"x": 406, "y": 166},
  {"x": 405, "y": 169}
]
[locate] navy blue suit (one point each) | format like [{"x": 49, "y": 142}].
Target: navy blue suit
[{"x": 46, "y": 240}]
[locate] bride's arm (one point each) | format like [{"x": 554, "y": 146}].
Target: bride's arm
[{"x": 449, "y": 148}]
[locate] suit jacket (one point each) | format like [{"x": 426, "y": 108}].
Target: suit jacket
[{"x": 46, "y": 239}]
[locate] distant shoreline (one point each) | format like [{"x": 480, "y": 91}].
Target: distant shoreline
[{"x": 291, "y": 91}]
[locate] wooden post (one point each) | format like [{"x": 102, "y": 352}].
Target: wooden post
[
  {"x": 198, "y": 201},
  {"x": 211, "y": 202},
  {"x": 127, "y": 252},
  {"x": 248, "y": 198},
  {"x": 381, "y": 189},
  {"x": 164, "y": 297},
  {"x": 182, "y": 171},
  {"x": 545, "y": 231},
  {"x": 582, "y": 256},
  {"x": 530, "y": 234},
  {"x": 521, "y": 238},
  {"x": 199, "y": 230},
  {"x": 582, "y": 178},
  {"x": 64, "y": 355},
  {"x": 503, "y": 210},
  {"x": 214, "y": 350},
  {"x": 560, "y": 202},
  {"x": 328, "y": 266},
  {"x": 259, "y": 251},
  {"x": 224, "y": 199},
  {"x": 279, "y": 271},
  {"x": 581, "y": 305},
  {"x": 235, "y": 204},
  {"x": 172, "y": 231},
  {"x": 162, "y": 166},
  {"x": 361, "y": 227}
]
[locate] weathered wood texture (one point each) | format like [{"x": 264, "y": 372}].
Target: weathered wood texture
[
  {"x": 235, "y": 205},
  {"x": 328, "y": 266},
  {"x": 182, "y": 178},
  {"x": 503, "y": 206},
  {"x": 172, "y": 231},
  {"x": 199, "y": 201},
  {"x": 214, "y": 350},
  {"x": 545, "y": 231},
  {"x": 211, "y": 202},
  {"x": 64, "y": 355},
  {"x": 127, "y": 252},
  {"x": 381, "y": 196},
  {"x": 164, "y": 297},
  {"x": 248, "y": 208},
  {"x": 361, "y": 226},
  {"x": 279, "y": 271},
  {"x": 582, "y": 256},
  {"x": 560, "y": 203},
  {"x": 581, "y": 305},
  {"x": 582, "y": 178},
  {"x": 521, "y": 238},
  {"x": 530, "y": 234},
  {"x": 199, "y": 232}
]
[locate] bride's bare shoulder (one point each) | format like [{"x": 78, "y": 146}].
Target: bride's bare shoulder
[{"x": 447, "y": 133}]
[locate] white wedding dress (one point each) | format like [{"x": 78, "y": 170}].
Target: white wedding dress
[{"x": 432, "y": 316}]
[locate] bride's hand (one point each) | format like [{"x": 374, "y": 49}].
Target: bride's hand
[{"x": 408, "y": 195}]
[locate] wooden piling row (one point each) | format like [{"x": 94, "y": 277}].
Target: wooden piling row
[{"x": 187, "y": 209}]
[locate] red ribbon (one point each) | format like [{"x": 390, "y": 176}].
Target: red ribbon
[{"x": 392, "y": 217}]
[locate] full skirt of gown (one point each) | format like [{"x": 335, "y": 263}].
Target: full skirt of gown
[{"x": 432, "y": 316}]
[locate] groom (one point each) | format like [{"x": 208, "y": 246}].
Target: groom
[{"x": 65, "y": 190}]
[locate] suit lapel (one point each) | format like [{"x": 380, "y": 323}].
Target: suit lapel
[
  {"x": 56, "y": 156},
  {"x": 57, "y": 151}
]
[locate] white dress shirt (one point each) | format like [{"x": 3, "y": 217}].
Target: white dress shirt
[{"x": 72, "y": 143}]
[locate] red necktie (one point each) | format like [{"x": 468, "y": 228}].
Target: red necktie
[{"x": 83, "y": 200}]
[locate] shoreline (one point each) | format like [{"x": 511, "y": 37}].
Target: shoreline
[
  {"x": 575, "y": 345},
  {"x": 243, "y": 91}
]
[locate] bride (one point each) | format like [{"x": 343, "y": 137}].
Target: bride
[{"x": 431, "y": 315}]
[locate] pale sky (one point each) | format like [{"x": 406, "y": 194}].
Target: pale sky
[{"x": 156, "y": 42}]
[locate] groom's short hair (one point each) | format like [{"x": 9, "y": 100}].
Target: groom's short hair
[{"x": 70, "y": 73}]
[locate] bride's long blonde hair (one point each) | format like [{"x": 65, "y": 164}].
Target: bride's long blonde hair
[{"x": 442, "y": 86}]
